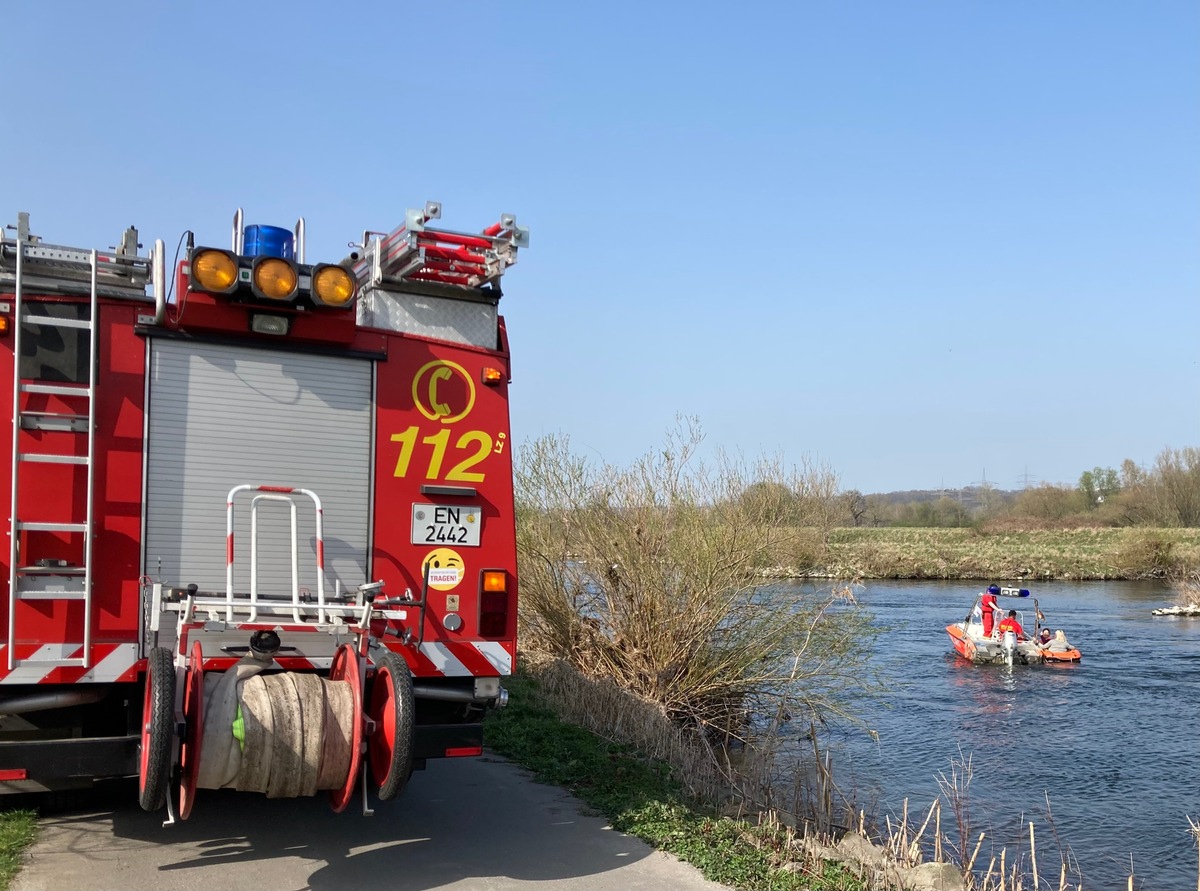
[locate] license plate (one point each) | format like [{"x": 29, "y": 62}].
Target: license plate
[{"x": 442, "y": 524}]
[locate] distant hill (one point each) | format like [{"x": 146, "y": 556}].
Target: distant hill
[{"x": 970, "y": 497}]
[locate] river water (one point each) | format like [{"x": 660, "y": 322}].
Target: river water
[{"x": 1112, "y": 740}]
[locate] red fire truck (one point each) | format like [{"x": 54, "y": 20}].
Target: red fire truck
[{"x": 261, "y": 526}]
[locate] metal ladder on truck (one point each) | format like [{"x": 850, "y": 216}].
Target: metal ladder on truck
[
  {"x": 47, "y": 269},
  {"x": 416, "y": 251}
]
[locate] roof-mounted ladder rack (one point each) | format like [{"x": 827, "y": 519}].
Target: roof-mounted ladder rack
[
  {"x": 416, "y": 251},
  {"x": 54, "y": 269}
]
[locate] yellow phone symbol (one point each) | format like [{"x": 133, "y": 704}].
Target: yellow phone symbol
[
  {"x": 441, "y": 374},
  {"x": 446, "y": 406}
]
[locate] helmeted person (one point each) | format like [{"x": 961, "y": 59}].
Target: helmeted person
[{"x": 1010, "y": 623}]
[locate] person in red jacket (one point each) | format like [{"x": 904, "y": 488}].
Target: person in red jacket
[
  {"x": 988, "y": 607},
  {"x": 1010, "y": 623}
]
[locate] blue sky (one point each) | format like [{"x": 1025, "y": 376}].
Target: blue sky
[{"x": 922, "y": 243}]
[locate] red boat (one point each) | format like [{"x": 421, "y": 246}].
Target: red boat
[{"x": 980, "y": 638}]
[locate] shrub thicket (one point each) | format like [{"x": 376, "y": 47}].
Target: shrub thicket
[{"x": 653, "y": 576}]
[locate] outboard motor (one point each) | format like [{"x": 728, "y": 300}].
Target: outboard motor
[{"x": 1009, "y": 645}]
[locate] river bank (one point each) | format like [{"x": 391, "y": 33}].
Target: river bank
[{"x": 998, "y": 553}]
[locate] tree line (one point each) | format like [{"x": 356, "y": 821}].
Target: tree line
[{"x": 1164, "y": 495}]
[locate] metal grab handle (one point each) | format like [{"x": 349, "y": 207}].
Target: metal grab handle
[
  {"x": 291, "y": 502},
  {"x": 275, "y": 493}
]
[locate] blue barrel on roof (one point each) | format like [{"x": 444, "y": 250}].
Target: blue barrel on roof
[{"x": 268, "y": 241}]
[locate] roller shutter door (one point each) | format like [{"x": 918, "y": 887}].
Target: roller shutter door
[{"x": 221, "y": 416}]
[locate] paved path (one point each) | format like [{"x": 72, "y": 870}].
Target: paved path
[{"x": 462, "y": 824}]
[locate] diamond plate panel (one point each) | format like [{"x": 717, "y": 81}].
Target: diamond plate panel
[{"x": 456, "y": 321}]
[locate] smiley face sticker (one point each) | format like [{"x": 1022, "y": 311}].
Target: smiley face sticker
[{"x": 445, "y": 568}]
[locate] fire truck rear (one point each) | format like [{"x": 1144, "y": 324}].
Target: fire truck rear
[{"x": 261, "y": 527}]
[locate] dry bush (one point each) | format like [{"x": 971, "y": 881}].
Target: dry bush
[
  {"x": 1052, "y": 504},
  {"x": 652, "y": 576},
  {"x": 1016, "y": 523},
  {"x": 1145, "y": 554},
  {"x": 1187, "y": 590}
]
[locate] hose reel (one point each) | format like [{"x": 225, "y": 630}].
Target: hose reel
[{"x": 284, "y": 734}]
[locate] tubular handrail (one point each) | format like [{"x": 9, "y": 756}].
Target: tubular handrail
[{"x": 273, "y": 493}]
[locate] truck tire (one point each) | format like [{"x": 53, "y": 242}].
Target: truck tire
[
  {"x": 391, "y": 707},
  {"x": 158, "y": 703}
]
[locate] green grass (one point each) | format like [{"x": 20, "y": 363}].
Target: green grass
[
  {"x": 18, "y": 829},
  {"x": 639, "y": 797},
  {"x": 1001, "y": 554}
]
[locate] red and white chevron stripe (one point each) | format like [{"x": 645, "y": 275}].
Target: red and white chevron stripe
[
  {"x": 119, "y": 663},
  {"x": 479, "y": 658},
  {"x": 111, "y": 662}
]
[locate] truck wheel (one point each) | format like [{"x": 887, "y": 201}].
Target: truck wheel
[
  {"x": 158, "y": 703},
  {"x": 390, "y": 747}
]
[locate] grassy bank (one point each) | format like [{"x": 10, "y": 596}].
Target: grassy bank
[
  {"x": 641, "y": 798},
  {"x": 18, "y": 828},
  {"x": 1003, "y": 554}
]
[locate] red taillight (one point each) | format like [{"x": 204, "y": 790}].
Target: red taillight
[{"x": 493, "y": 603}]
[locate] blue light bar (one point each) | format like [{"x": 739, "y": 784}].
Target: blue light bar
[
  {"x": 1014, "y": 592},
  {"x": 268, "y": 241}
]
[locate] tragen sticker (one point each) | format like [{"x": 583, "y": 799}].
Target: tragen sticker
[{"x": 445, "y": 567}]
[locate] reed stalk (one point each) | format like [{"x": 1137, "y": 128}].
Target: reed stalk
[
  {"x": 1033, "y": 854},
  {"x": 937, "y": 834},
  {"x": 975, "y": 853},
  {"x": 914, "y": 849},
  {"x": 1195, "y": 830}
]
